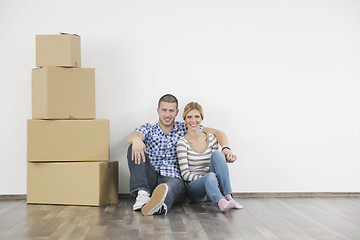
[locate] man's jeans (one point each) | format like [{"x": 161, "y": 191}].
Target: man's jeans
[
  {"x": 214, "y": 185},
  {"x": 144, "y": 177}
]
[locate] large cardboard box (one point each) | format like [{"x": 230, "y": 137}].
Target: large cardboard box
[
  {"x": 73, "y": 183},
  {"x": 61, "y": 50},
  {"x": 68, "y": 140},
  {"x": 63, "y": 93}
]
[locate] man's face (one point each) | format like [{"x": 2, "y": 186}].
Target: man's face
[{"x": 167, "y": 113}]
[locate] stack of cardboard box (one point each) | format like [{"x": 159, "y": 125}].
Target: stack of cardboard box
[{"x": 67, "y": 148}]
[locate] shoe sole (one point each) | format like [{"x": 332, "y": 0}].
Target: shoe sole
[{"x": 157, "y": 198}]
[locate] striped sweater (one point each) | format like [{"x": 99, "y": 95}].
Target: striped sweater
[{"x": 194, "y": 164}]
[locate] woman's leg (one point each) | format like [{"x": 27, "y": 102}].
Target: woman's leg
[
  {"x": 220, "y": 168},
  {"x": 204, "y": 188}
]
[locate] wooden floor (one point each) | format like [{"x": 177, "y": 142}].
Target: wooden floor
[{"x": 261, "y": 218}]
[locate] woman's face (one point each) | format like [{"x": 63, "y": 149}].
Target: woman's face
[{"x": 193, "y": 120}]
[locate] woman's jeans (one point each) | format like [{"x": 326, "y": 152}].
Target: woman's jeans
[
  {"x": 214, "y": 185},
  {"x": 144, "y": 177}
]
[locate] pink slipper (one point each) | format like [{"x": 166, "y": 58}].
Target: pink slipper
[
  {"x": 236, "y": 205},
  {"x": 225, "y": 205}
]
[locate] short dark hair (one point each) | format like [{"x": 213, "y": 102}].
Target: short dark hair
[{"x": 169, "y": 98}]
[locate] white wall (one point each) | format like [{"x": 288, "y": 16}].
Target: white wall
[{"x": 280, "y": 78}]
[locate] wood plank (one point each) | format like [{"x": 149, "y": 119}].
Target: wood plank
[
  {"x": 11, "y": 218},
  {"x": 261, "y": 218},
  {"x": 249, "y": 226},
  {"x": 7, "y": 205},
  {"x": 302, "y": 219},
  {"x": 332, "y": 220},
  {"x": 340, "y": 207},
  {"x": 92, "y": 217},
  {"x": 277, "y": 224},
  {"x": 215, "y": 223},
  {"x": 176, "y": 221},
  {"x": 96, "y": 232},
  {"x": 69, "y": 219},
  {"x": 324, "y": 219},
  {"x": 126, "y": 224},
  {"x": 79, "y": 233},
  {"x": 35, "y": 221},
  {"x": 193, "y": 227}
]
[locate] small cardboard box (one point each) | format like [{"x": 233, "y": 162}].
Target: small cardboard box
[
  {"x": 73, "y": 183},
  {"x": 63, "y": 93},
  {"x": 61, "y": 50},
  {"x": 68, "y": 140}
]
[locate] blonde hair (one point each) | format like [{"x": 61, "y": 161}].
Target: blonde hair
[{"x": 191, "y": 106}]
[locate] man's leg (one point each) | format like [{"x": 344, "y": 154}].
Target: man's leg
[
  {"x": 169, "y": 191},
  {"x": 142, "y": 177},
  {"x": 176, "y": 192}
]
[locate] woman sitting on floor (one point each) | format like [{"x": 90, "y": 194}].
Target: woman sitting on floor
[{"x": 202, "y": 166}]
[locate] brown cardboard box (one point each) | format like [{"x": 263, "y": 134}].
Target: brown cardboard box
[
  {"x": 68, "y": 140},
  {"x": 73, "y": 183},
  {"x": 63, "y": 93},
  {"x": 62, "y": 50}
]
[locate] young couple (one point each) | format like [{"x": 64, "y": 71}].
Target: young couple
[{"x": 163, "y": 155}]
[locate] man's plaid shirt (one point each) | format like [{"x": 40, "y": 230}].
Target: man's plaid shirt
[{"x": 161, "y": 148}]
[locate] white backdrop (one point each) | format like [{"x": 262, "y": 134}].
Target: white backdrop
[{"x": 280, "y": 78}]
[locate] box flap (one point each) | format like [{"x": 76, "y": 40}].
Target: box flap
[{"x": 63, "y": 33}]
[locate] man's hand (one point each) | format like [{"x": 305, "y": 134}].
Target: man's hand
[
  {"x": 229, "y": 156},
  {"x": 138, "y": 151},
  {"x": 222, "y": 139}
]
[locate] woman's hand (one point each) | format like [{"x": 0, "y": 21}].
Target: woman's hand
[{"x": 229, "y": 156}]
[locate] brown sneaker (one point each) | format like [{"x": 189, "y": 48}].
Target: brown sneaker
[{"x": 156, "y": 201}]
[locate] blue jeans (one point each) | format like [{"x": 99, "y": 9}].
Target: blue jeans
[
  {"x": 214, "y": 185},
  {"x": 144, "y": 177}
]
